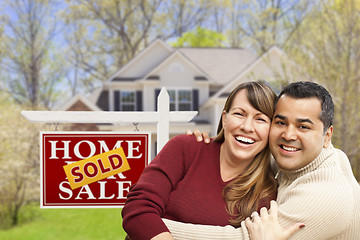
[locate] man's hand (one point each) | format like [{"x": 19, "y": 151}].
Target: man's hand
[
  {"x": 199, "y": 136},
  {"x": 267, "y": 227}
]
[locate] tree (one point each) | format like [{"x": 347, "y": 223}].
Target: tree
[
  {"x": 179, "y": 16},
  {"x": 19, "y": 161},
  {"x": 327, "y": 49},
  {"x": 201, "y": 37},
  {"x": 260, "y": 24},
  {"x": 30, "y": 66},
  {"x": 104, "y": 35}
]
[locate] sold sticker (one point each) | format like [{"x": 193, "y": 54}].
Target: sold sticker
[{"x": 96, "y": 168}]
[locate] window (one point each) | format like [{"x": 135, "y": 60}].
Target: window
[
  {"x": 184, "y": 100},
  {"x": 172, "y": 99},
  {"x": 127, "y": 101},
  {"x": 180, "y": 100}
]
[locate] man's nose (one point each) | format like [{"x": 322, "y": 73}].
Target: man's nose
[{"x": 289, "y": 133}]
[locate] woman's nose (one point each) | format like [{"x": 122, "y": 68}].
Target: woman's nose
[{"x": 247, "y": 125}]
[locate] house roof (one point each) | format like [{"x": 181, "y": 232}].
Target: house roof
[
  {"x": 221, "y": 64},
  {"x": 78, "y": 98},
  {"x": 158, "y": 43},
  {"x": 178, "y": 54},
  {"x": 230, "y": 85}
]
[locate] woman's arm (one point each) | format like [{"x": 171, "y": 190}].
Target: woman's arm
[{"x": 148, "y": 198}]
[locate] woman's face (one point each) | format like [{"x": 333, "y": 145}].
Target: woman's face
[{"x": 246, "y": 130}]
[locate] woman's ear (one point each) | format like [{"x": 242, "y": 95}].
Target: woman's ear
[{"x": 223, "y": 118}]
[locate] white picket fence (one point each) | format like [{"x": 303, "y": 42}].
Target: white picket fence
[{"x": 163, "y": 117}]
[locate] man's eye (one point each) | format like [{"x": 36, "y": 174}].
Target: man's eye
[
  {"x": 280, "y": 123},
  {"x": 304, "y": 127}
]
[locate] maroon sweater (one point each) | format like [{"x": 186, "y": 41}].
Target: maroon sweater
[{"x": 182, "y": 183}]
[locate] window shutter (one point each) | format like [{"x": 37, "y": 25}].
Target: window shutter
[
  {"x": 139, "y": 103},
  {"x": 103, "y": 100},
  {"x": 117, "y": 100},
  {"x": 157, "y": 91},
  {"x": 195, "y": 99}
]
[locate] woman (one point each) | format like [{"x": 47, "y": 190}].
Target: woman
[{"x": 215, "y": 184}]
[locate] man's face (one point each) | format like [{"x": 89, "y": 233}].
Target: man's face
[{"x": 297, "y": 133}]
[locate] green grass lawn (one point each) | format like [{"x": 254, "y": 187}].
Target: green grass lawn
[{"x": 66, "y": 224}]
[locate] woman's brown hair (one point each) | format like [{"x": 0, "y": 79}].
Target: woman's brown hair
[{"x": 243, "y": 194}]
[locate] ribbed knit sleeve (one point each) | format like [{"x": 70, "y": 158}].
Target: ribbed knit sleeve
[
  {"x": 188, "y": 231},
  {"x": 149, "y": 196}
]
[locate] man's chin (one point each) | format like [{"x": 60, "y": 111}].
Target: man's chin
[{"x": 286, "y": 164}]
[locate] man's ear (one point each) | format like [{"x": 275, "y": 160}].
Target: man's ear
[{"x": 328, "y": 136}]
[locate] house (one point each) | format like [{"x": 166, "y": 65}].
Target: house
[{"x": 197, "y": 79}]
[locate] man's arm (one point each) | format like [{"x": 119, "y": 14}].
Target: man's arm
[
  {"x": 325, "y": 208},
  {"x": 266, "y": 225},
  {"x": 188, "y": 231},
  {"x": 204, "y": 136},
  {"x": 261, "y": 227}
]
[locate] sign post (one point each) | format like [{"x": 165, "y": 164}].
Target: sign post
[{"x": 84, "y": 169}]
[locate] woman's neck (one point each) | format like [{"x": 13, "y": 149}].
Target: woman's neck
[{"x": 230, "y": 167}]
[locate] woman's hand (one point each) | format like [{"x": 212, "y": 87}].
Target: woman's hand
[
  {"x": 267, "y": 227},
  {"x": 199, "y": 136}
]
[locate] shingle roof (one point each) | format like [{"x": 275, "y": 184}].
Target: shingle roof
[{"x": 221, "y": 64}]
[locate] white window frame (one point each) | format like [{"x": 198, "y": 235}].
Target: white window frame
[
  {"x": 176, "y": 100},
  {"x": 122, "y": 103}
]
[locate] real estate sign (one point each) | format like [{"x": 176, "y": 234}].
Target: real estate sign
[{"x": 90, "y": 169}]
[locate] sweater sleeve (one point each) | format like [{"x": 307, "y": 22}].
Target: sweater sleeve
[
  {"x": 189, "y": 231},
  {"x": 326, "y": 208},
  {"x": 148, "y": 197}
]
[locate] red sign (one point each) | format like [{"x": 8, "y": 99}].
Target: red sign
[{"x": 59, "y": 149}]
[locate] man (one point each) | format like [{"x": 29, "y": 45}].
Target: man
[{"x": 316, "y": 183}]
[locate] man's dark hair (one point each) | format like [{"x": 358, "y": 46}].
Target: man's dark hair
[{"x": 310, "y": 89}]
